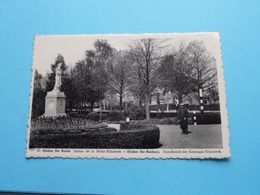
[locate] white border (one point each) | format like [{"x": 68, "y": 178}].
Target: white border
[{"x": 161, "y": 153}]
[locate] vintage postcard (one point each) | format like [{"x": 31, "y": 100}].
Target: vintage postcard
[{"x": 128, "y": 96}]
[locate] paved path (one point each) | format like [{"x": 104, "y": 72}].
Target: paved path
[{"x": 202, "y": 136}]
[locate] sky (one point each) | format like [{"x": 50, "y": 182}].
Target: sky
[{"x": 73, "y": 47}]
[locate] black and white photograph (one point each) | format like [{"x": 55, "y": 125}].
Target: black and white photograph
[{"x": 128, "y": 96}]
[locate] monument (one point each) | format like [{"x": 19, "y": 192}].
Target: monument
[{"x": 55, "y": 100}]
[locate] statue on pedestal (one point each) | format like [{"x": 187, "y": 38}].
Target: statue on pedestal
[
  {"x": 55, "y": 100},
  {"x": 57, "y": 86}
]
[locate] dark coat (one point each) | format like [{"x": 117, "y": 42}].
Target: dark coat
[{"x": 183, "y": 115}]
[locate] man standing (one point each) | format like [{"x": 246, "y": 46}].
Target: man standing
[{"x": 183, "y": 116}]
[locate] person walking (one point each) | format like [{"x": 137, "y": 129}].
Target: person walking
[{"x": 183, "y": 116}]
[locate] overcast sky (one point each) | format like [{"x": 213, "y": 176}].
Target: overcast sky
[{"x": 73, "y": 47}]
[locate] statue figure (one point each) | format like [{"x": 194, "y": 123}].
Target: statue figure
[
  {"x": 57, "y": 86},
  {"x": 55, "y": 100}
]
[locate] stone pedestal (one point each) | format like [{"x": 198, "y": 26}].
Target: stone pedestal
[{"x": 55, "y": 104}]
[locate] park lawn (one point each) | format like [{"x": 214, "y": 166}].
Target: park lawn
[{"x": 202, "y": 136}]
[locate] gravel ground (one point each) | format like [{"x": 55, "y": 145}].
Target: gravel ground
[{"x": 202, "y": 136}]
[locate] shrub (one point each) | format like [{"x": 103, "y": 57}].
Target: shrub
[
  {"x": 146, "y": 137},
  {"x": 95, "y": 116},
  {"x": 172, "y": 107},
  {"x": 138, "y": 114},
  {"x": 115, "y": 116},
  {"x": 155, "y": 121},
  {"x": 77, "y": 115},
  {"x": 64, "y": 123},
  {"x": 131, "y": 126},
  {"x": 163, "y": 114},
  {"x": 76, "y": 131},
  {"x": 159, "y": 115}
]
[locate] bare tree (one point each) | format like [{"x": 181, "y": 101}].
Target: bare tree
[
  {"x": 189, "y": 67},
  {"x": 135, "y": 84},
  {"x": 146, "y": 55},
  {"x": 204, "y": 66},
  {"x": 212, "y": 90},
  {"x": 118, "y": 74},
  {"x": 175, "y": 71}
]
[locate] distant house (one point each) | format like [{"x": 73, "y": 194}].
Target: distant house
[{"x": 161, "y": 97}]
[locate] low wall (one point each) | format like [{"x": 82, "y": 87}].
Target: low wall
[
  {"x": 205, "y": 118},
  {"x": 208, "y": 118},
  {"x": 135, "y": 138}
]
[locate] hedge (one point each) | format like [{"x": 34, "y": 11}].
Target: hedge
[
  {"x": 146, "y": 137},
  {"x": 163, "y": 107},
  {"x": 115, "y": 116},
  {"x": 208, "y": 118},
  {"x": 132, "y": 126},
  {"x": 64, "y": 123},
  {"x": 211, "y": 107},
  {"x": 96, "y": 116},
  {"x": 77, "y": 114},
  {"x": 138, "y": 114},
  {"x": 163, "y": 114},
  {"x": 97, "y": 129}
]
